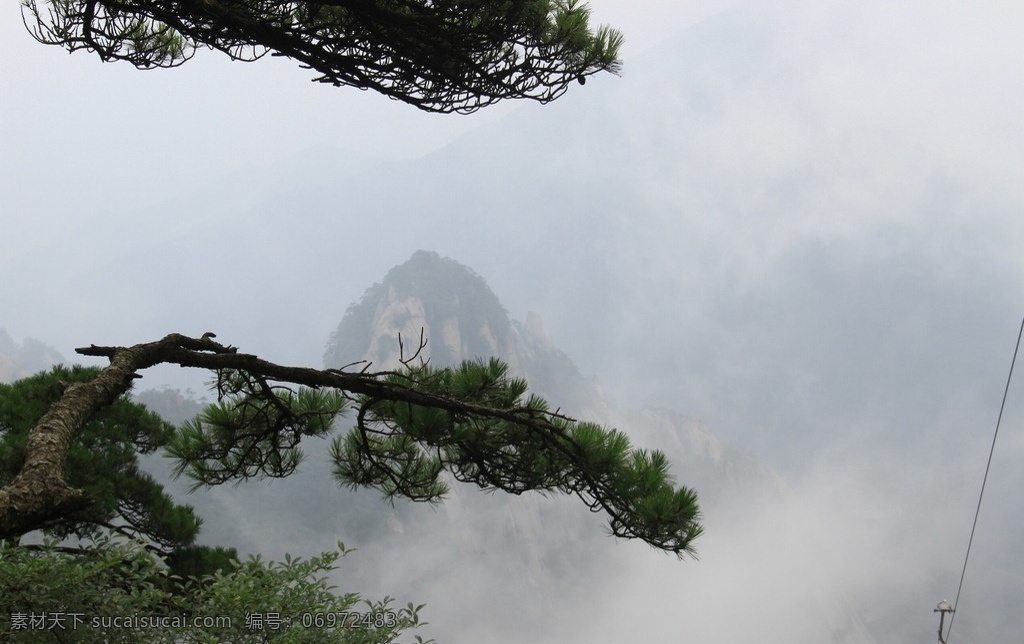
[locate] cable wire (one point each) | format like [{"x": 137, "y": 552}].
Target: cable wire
[{"x": 977, "y": 511}]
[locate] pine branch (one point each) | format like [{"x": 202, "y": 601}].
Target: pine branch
[
  {"x": 410, "y": 426},
  {"x": 438, "y": 55}
]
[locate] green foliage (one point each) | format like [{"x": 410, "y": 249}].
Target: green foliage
[
  {"x": 295, "y": 604},
  {"x": 474, "y": 422},
  {"x": 106, "y": 581},
  {"x": 501, "y": 439},
  {"x": 103, "y": 461},
  {"x": 438, "y": 56},
  {"x": 253, "y": 430},
  {"x": 287, "y": 602}
]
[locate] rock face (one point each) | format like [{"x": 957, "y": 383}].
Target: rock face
[{"x": 450, "y": 303}]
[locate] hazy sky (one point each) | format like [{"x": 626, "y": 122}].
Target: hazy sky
[
  {"x": 88, "y": 147},
  {"x": 800, "y": 224},
  {"x": 111, "y": 124}
]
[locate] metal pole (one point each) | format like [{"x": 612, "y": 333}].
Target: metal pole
[{"x": 942, "y": 609}]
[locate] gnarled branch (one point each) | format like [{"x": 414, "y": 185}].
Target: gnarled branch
[{"x": 472, "y": 419}]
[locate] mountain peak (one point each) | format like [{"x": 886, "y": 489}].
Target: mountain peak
[
  {"x": 19, "y": 360},
  {"x": 446, "y": 301},
  {"x": 461, "y": 319}
]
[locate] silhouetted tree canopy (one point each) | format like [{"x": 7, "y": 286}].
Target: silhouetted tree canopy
[{"x": 439, "y": 55}]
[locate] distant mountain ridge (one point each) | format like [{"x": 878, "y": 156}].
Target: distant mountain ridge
[{"x": 22, "y": 359}]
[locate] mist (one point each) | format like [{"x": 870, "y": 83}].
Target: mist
[{"x": 798, "y": 225}]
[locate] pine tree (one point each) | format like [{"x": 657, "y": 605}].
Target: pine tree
[
  {"x": 103, "y": 462},
  {"x": 412, "y": 425},
  {"x": 438, "y": 55}
]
